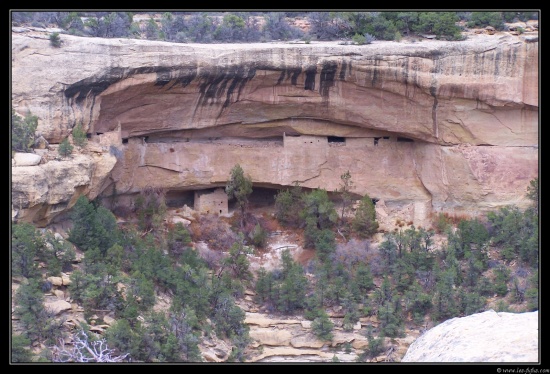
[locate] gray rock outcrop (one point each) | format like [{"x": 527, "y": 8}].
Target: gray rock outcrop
[{"x": 481, "y": 337}]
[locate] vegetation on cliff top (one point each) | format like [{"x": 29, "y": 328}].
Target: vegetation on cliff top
[{"x": 230, "y": 27}]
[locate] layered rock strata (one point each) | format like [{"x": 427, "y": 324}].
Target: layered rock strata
[{"x": 428, "y": 127}]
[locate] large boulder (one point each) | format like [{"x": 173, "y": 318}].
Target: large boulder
[
  {"x": 481, "y": 337},
  {"x": 26, "y": 159}
]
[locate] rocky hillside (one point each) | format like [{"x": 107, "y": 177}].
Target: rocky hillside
[{"x": 482, "y": 337}]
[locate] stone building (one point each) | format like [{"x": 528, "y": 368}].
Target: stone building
[
  {"x": 304, "y": 140},
  {"x": 208, "y": 201}
]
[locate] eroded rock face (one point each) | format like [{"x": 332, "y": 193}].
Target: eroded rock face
[
  {"x": 481, "y": 337},
  {"x": 456, "y": 123},
  {"x": 42, "y": 192}
]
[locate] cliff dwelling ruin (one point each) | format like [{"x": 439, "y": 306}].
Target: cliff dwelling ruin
[
  {"x": 439, "y": 127},
  {"x": 215, "y": 202}
]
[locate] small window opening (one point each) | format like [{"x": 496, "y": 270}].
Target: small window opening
[
  {"x": 336, "y": 139},
  {"x": 124, "y": 140},
  {"x": 386, "y": 137},
  {"x": 376, "y": 141},
  {"x": 220, "y": 211}
]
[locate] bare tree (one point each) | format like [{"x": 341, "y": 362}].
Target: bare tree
[{"x": 84, "y": 350}]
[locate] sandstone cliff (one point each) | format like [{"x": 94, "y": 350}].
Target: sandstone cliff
[{"x": 426, "y": 127}]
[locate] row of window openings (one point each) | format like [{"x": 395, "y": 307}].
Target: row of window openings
[{"x": 331, "y": 139}]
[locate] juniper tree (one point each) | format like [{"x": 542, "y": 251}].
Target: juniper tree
[
  {"x": 322, "y": 326},
  {"x": 183, "y": 326},
  {"x": 364, "y": 223},
  {"x": 294, "y": 285},
  {"x": 288, "y": 205},
  {"x": 65, "y": 148},
  {"x": 22, "y": 131},
  {"x": 237, "y": 260},
  {"x": 19, "y": 348},
  {"x": 79, "y": 136},
  {"x": 25, "y": 246},
  {"x": 239, "y": 187},
  {"x": 38, "y": 322},
  {"x": 93, "y": 227},
  {"x": 345, "y": 190}
]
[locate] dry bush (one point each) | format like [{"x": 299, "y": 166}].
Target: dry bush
[
  {"x": 353, "y": 252},
  {"x": 211, "y": 257},
  {"x": 399, "y": 222},
  {"x": 376, "y": 263},
  {"x": 441, "y": 221},
  {"x": 269, "y": 223},
  {"x": 122, "y": 211},
  {"x": 214, "y": 231}
]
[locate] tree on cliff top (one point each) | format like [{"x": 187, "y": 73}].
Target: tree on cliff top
[{"x": 239, "y": 187}]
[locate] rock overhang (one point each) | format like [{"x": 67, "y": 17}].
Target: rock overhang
[{"x": 443, "y": 96}]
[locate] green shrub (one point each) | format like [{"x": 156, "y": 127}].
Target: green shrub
[
  {"x": 55, "y": 40},
  {"x": 502, "y": 306},
  {"x": 442, "y": 222},
  {"x": 258, "y": 236},
  {"x": 79, "y": 136},
  {"x": 22, "y": 131},
  {"x": 288, "y": 205},
  {"x": 502, "y": 275},
  {"x": 93, "y": 227},
  {"x": 483, "y": 19},
  {"x": 151, "y": 208},
  {"x": 375, "y": 346},
  {"x": 322, "y": 326},
  {"x": 532, "y": 296},
  {"x": 397, "y": 36},
  {"x": 19, "y": 349},
  {"x": 364, "y": 223},
  {"x": 358, "y": 39},
  {"x": 65, "y": 148},
  {"x": 25, "y": 246}
]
